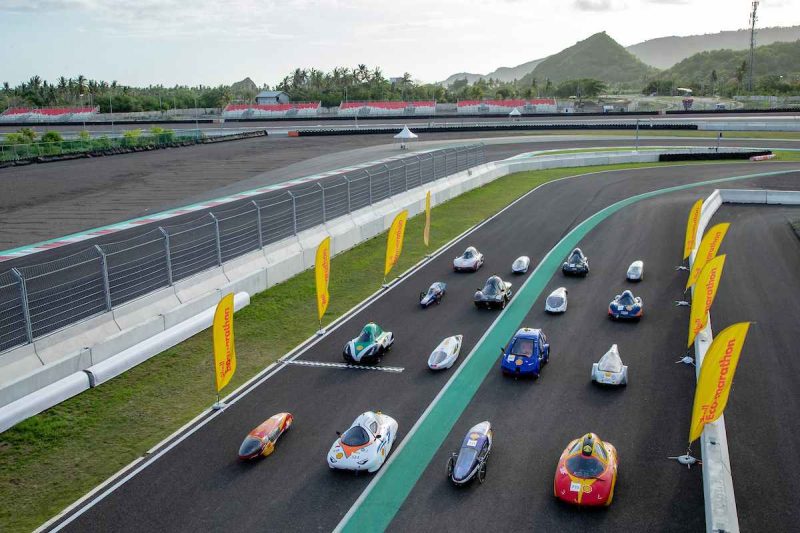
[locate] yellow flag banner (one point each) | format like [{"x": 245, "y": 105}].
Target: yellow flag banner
[
  {"x": 394, "y": 243},
  {"x": 691, "y": 229},
  {"x": 709, "y": 247},
  {"x": 704, "y": 293},
  {"x": 224, "y": 349},
  {"x": 426, "y": 234},
  {"x": 322, "y": 271},
  {"x": 716, "y": 377}
]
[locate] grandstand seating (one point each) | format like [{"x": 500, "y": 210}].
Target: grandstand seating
[
  {"x": 270, "y": 110},
  {"x": 538, "y": 105},
  {"x": 387, "y": 107},
  {"x": 48, "y": 114}
]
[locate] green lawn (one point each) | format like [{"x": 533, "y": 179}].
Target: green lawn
[{"x": 52, "y": 459}]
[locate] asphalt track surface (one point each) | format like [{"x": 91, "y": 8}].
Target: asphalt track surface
[
  {"x": 374, "y": 121},
  {"x": 200, "y": 485},
  {"x": 41, "y": 202},
  {"x": 761, "y": 283}
]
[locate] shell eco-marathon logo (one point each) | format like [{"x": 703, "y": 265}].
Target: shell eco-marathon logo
[
  {"x": 710, "y": 286},
  {"x": 225, "y": 366},
  {"x": 709, "y": 410}
]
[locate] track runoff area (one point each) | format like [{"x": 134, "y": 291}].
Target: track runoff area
[{"x": 196, "y": 482}]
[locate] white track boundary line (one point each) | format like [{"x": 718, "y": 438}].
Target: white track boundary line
[{"x": 156, "y": 451}]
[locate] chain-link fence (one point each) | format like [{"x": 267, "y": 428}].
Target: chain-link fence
[{"x": 39, "y": 299}]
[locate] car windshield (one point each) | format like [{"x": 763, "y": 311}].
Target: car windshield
[
  {"x": 465, "y": 461},
  {"x": 493, "y": 286},
  {"x": 523, "y": 347},
  {"x": 555, "y": 301},
  {"x": 433, "y": 290},
  {"x": 250, "y": 446},
  {"x": 576, "y": 256},
  {"x": 626, "y": 298},
  {"x": 274, "y": 433},
  {"x": 355, "y": 436},
  {"x": 584, "y": 467},
  {"x": 610, "y": 362},
  {"x": 366, "y": 336}
]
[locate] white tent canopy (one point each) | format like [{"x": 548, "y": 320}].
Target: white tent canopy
[
  {"x": 405, "y": 134},
  {"x": 515, "y": 113}
]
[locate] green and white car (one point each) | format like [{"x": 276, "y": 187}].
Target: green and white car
[{"x": 369, "y": 346}]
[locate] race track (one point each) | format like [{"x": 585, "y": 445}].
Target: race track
[
  {"x": 52, "y": 200},
  {"x": 198, "y": 484}
]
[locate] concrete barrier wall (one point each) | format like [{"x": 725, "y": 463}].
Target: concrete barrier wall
[{"x": 90, "y": 343}]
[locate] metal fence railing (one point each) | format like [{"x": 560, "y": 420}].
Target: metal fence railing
[{"x": 39, "y": 299}]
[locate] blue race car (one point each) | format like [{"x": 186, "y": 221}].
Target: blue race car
[
  {"x": 470, "y": 461},
  {"x": 434, "y": 295},
  {"x": 626, "y": 306},
  {"x": 526, "y": 353}
]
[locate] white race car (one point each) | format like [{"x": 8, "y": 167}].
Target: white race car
[
  {"x": 557, "y": 301},
  {"x": 446, "y": 353},
  {"x": 609, "y": 370},
  {"x": 471, "y": 259},
  {"x": 635, "y": 271},
  {"x": 366, "y": 445},
  {"x": 521, "y": 264}
]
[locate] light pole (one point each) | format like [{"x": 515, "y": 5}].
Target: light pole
[
  {"x": 111, "y": 111},
  {"x": 196, "y": 121}
]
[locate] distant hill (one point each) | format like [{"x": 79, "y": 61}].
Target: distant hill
[
  {"x": 665, "y": 52},
  {"x": 246, "y": 86},
  {"x": 505, "y": 74},
  {"x": 599, "y": 57},
  {"x": 779, "y": 59}
]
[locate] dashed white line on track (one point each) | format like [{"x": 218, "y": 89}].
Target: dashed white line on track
[{"x": 320, "y": 364}]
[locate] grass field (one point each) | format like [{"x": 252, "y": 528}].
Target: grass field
[{"x": 50, "y": 460}]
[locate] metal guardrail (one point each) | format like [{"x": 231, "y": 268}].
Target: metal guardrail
[{"x": 39, "y": 299}]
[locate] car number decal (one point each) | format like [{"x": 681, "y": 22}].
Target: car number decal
[
  {"x": 510, "y": 358},
  {"x": 575, "y": 487},
  {"x": 472, "y": 442}
]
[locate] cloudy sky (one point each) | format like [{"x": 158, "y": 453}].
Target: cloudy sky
[{"x": 141, "y": 42}]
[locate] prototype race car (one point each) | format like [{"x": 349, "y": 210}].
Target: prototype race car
[
  {"x": 557, "y": 301},
  {"x": 587, "y": 472},
  {"x": 521, "y": 264},
  {"x": 470, "y": 260},
  {"x": 576, "y": 264},
  {"x": 495, "y": 293},
  {"x": 635, "y": 271},
  {"x": 366, "y": 444},
  {"x": 609, "y": 370},
  {"x": 470, "y": 461},
  {"x": 446, "y": 353},
  {"x": 434, "y": 295},
  {"x": 626, "y": 306},
  {"x": 261, "y": 441},
  {"x": 369, "y": 346},
  {"x": 526, "y": 353}
]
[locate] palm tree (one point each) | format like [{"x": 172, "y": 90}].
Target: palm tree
[{"x": 362, "y": 74}]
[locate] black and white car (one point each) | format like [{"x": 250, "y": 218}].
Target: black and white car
[
  {"x": 557, "y": 301},
  {"x": 495, "y": 293},
  {"x": 577, "y": 264},
  {"x": 470, "y": 261}
]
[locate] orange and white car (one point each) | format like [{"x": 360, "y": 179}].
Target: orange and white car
[
  {"x": 261, "y": 441},
  {"x": 587, "y": 472},
  {"x": 366, "y": 445}
]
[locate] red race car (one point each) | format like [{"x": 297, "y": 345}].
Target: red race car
[
  {"x": 261, "y": 441},
  {"x": 587, "y": 472}
]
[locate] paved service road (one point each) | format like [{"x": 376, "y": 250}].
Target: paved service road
[
  {"x": 47, "y": 201},
  {"x": 199, "y": 484},
  {"x": 761, "y": 283}
]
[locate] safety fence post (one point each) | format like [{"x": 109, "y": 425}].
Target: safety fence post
[
  {"x": 405, "y": 168},
  {"x": 219, "y": 244},
  {"x": 348, "y": 193},
  {"x": 324, "y": 218},
  {"x": 258, "y": 221},
  {"x": 106, "y": 284},
  {"x": 369, "y": 174},
  {"x": 294, "y": 212},
  {"x": 169, "y": 255},
  {"x": 26, "y": 312}
]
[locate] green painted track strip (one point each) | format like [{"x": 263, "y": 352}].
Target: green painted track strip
[{"x": 380, "y": 501}]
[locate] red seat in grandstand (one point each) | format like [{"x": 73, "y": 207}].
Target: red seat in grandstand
[{"x": 17, "y": 111}]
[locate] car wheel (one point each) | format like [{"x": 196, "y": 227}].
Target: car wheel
[
  {"x": 450, "y": 465},
  {"x": 503, "y": 303},
  {"x": 482, "y": 472}
]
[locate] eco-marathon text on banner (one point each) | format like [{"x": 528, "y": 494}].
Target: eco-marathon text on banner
[{"x": 224, "y": 347}]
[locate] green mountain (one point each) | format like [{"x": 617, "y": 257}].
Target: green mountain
[
  {"x": 777, "y": 59},
  {"x": 599, "y": 57},
  {"x": 246, "y": 86},
  {"x": 506, "y": 74},
  {"x": 664, "y": 52}
]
